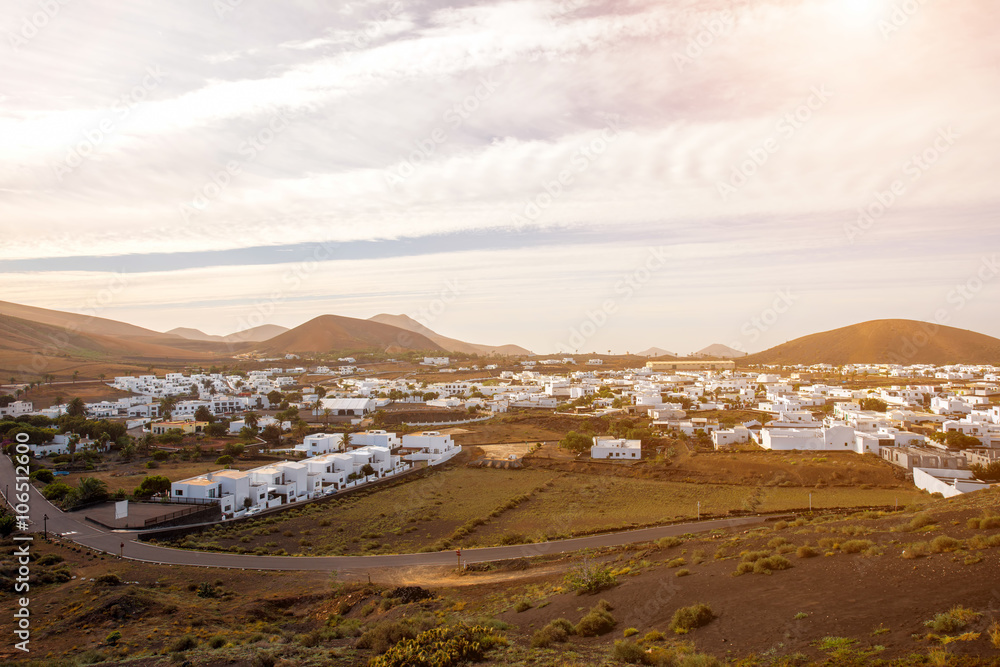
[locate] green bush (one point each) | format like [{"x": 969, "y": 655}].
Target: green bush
[
  {"x": 596, "y": 622},
  {"x": 556, "y": 631},
  {"x": 441, "y": 647},
  {"x": 43, "y": 475},
  {"x": 676, "y": 562},
  {"x": 917, "y": 522},
  {"x": 184, "y": 643},
  {"x": 687, "y": 619},
  {"x": 806, "y": 551},
  {"x": 218, "y": 641},
  {"x": 109, "y": 579},
  {"x": 953, "y": 620},
  {"x": 668, "y": 542},
  {"x": 629, "y": 652},
  {"x": 856, "y": 546},
  {"x": 753, "y": 556},
  {"x": 943, "y": 544},
  {"x": 113, "y": 638},
  {"x": 521, "y": 606},
  {"x": 768, "y": 565},
  {"x": 224, "y": 460},
  {"x": 590, "y": 579}
]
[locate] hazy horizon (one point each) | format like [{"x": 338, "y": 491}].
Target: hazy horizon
[{"x": 622, "y": 175}]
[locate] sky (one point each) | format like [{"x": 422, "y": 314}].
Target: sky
[{"x": 564, "y": 175}]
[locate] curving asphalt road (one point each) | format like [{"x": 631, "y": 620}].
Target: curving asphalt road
[{"x": 125, "y": 543}]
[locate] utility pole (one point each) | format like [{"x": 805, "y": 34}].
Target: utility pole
[{"x": 45, "y": 525}]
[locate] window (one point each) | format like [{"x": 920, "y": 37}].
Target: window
[{"x": 179, "y": 492}]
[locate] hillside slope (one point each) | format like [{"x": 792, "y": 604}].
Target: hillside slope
[
  {"x": 254, "y": 334},
  {"x": 449, "y": 344},
  {"x": 34, "y": 338},
  {"x": 885, "y": 341},
  {"x": 82, "y": 323},
  {"x": 328, "y": 333}
]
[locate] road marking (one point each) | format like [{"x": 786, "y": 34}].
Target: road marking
[{"x": 72, "y": 532}]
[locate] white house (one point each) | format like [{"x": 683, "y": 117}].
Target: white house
[
  {"x": 428, "y": 446},
  {"x": 732, "y": 436},
  {"x": 947, "y": 482},
  {"x": 606, "y": 447},
  {"x": 357, "y": 407},
  {"x": 435, "y": 361},
  {"x": 831, "y": 438}
]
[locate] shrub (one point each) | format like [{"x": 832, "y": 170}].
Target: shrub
[
  {"x": 683, "y": 572},
  {"x": 630, "y": 652},
  {"x": 767, "y": 565},
  {"x": 113, "y": 638},
  {"x": 556, "y": 631},
  {"x": 218, "y": 641},
  {"x": 109, "y": 580},
  {"x": 776, "y": 542},
  {"x": 676, "y": 562},
  {"x": 523, "y": 605},
  {"x": 207, "y": 590},
  {"x": 952, "y": 620},
  {"x": 751, "y": 556},
  {"x": 630, "y": 631},
  {"x": 743, "y": 568},
  {"x": 383, "y": 636},
  {"x": 856, "y": 546},
  {"x": 915, "y": 550},
  {"x": 183, "y": 643},
  {"x": 590, "y": 579},
  {"x": 441, "y": 647},
  {"x": 224, "y": 460},
  {"x": 668, "y": 542},
  {"x": 597, "y": 621},
  {"x": 653, "y": 636},
  {"x": 917, "y": 522},
  {"x": 44, "y": 476},
  {"x": 806, "y": 552},
  {"x": 942, "y": 544},
  {"x": 687, "y": 619}
]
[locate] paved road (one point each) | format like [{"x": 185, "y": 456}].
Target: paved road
[{"x": 71, "y": 528}]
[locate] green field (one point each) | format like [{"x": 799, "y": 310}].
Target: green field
[
  {"x": 577, "y": 504},
  {"x": 480, "y": 507}
]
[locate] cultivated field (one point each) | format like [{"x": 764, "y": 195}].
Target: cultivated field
[{"x": 479, "y": 507}]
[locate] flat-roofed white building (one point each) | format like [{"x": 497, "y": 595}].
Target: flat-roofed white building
[{"x": 606, "y": 447}]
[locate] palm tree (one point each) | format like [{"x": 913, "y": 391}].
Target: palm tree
[
  {"x": 76, "y": 374},
  {"x": 326, "y": 415},
  {"x": 252, "y": 419},
  {"x": 76, "y": 407},
  {"x": 345, "y": 441}
]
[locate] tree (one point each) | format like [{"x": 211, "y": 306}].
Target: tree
[
  {"x": 92, "y": 489},
  {"x": 152, "y": 484},
  {"x": 576, "y": 442},
  {"x": 274, "y": 397},
  {"x": 272, "y": 435},
  {"x": 326, "y": 415},
  {"x": 71, "y": 446},
  {"x": 76, "y": 407},
  {"x": 203, "y": 414},
  {"x": 76, "y": 374},
  {"x": 234, "y": 449},
  {"x": 127, "y": 452},
  {"x": 345, "y": 442},
  {"x": 301, "y": 428},
  {"x": 102, "y": 376},
  {"x": 367, "y": 470},
  {"x": 217, "y": 430},
  {"x": 251, "y": 419},
  {"x": 874, "y": 404},
  {"x": 988, "y": 473},
  {"x": 248, "y": 434}
]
